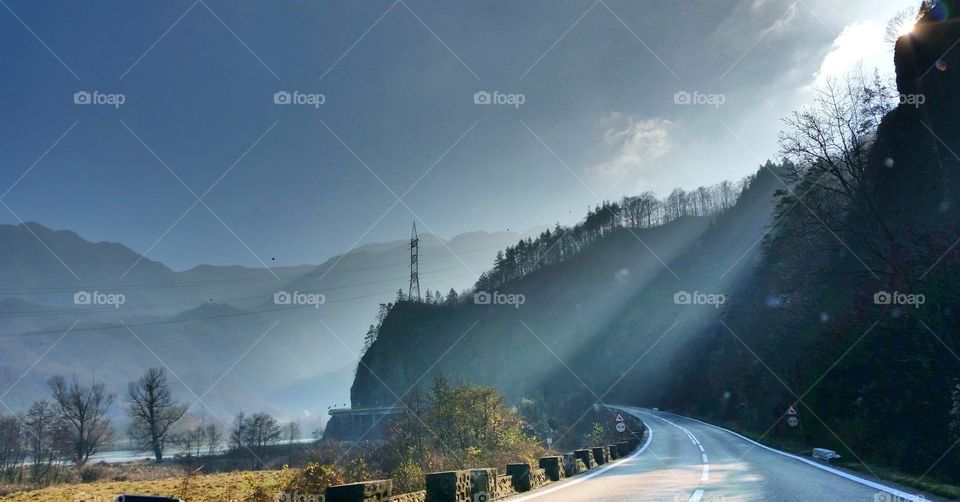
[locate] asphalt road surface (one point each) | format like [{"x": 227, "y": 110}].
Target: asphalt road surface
[{"x": 687, "y": 460}]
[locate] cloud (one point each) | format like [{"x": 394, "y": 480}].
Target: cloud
[
  {"x": 636, "y": 143},
  {"x": 858, "y": 43}
]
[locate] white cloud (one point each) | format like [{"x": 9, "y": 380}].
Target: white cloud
[
  {"x": 637, "y": 142},
  {"x": 858, "y": 43}
]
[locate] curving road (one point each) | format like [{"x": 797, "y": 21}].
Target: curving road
[{"x": 688, "y": 460}]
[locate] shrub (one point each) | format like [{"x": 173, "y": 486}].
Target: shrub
[
  {"x": 314, "y": 479},
  {"x": 408, "y": 477}
]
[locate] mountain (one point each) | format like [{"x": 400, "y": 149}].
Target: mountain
[
  {"x": 216, "y": 327},
  {"x": 565, "y": 311}
]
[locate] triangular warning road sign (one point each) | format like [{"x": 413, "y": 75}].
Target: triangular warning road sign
[
  {"x": 792, "y": 411},
  {"x": 619, "y": 417}
]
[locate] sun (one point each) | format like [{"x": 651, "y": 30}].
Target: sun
[{"x": 905, "y": 27}]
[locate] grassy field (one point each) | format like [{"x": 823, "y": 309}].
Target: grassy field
[{"x": 221, "y": 487}]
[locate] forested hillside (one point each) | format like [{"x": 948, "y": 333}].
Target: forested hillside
[{"x": 828, "y": 286}]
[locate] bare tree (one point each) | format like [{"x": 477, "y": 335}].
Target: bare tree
[
  {"x": 262, "y": 430},
  {"x": 82, "y": 416},
  {"x": 40, "y": 429},
  {"x": 832, "y": 139},
  {"x": 214, "y": 436},
  {"x": 152, "y": 411},
  {"x": 12, "y": 451},
  {"x": 196, "y": 437},
  {"x": 902, "y": 22},
  {"x": 238, "y": 432},
  {"x": 828, "y": 147}
]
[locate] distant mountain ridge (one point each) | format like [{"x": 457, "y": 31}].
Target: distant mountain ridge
[{"x": 201, "y": 321}]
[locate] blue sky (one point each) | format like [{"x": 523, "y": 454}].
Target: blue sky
[{"x": 297, "y": 183}]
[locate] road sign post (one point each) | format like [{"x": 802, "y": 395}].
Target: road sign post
[{"x": 793, "y": 420}]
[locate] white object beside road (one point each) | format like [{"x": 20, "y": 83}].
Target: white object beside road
[{"x": 824, "y": 454}]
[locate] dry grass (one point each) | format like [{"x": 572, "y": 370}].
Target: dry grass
[{"x": 220, "y": 487}]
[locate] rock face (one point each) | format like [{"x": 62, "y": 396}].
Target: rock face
[{"x": 914, "y": 164}]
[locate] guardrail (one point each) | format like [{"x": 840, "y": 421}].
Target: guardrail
[{"x": 483, "y": 485}]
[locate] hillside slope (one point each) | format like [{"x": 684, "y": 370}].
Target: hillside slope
[
  {"x": 570, "y": 309},
  {"x": 814, "y": 314}
]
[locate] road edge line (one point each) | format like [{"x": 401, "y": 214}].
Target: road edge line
[
  {"x": 591, "y": 475},
  {"x": 851, "y": 477}
]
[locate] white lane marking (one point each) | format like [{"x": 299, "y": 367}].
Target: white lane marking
[
  {"x": 696, "y": 496},
  {"x": 866, "y": 482},
  {"x": 705, "y": 475},
  {"x": 591, "y": 474}
]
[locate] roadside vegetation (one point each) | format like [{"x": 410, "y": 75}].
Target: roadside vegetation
[{"x": 451, "y": 427}]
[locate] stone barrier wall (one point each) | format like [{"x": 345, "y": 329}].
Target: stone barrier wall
[
  {"x": 600, "y": 455},
  {"x": 505, "y": 486},
  {"x": 367, "y": 491},
  {"x": 420, "y": 496},
  {"x": 482, "y": 485},
  {"x": 484, "y": 481},
  {"x": 586, "y": 456},
  {"x": 449, "y": 486},
  {"x": 521, "y": 476},
  {"x": 573, "y": 466},
  {"x": 553, "y": 466}
]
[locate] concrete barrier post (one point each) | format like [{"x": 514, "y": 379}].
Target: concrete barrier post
[
  {"x": 448, "y": 486},
  {"x": 572, "y": 465},
  {"x": 505, "y": 486},
  {"x": 553, "y": 466},
  {"x": 521, "y": 476},
  {"x": 483, "y": 484},
  {"x": 586, "y": 456},
  {"x": 365, "y": 491},
  {"x": 599, "y": 455}
]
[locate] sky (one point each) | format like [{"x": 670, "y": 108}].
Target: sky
[{"x": 459, "y": 115}]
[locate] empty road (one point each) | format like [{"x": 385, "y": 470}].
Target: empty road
[{"x": 687, "y": 460}]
